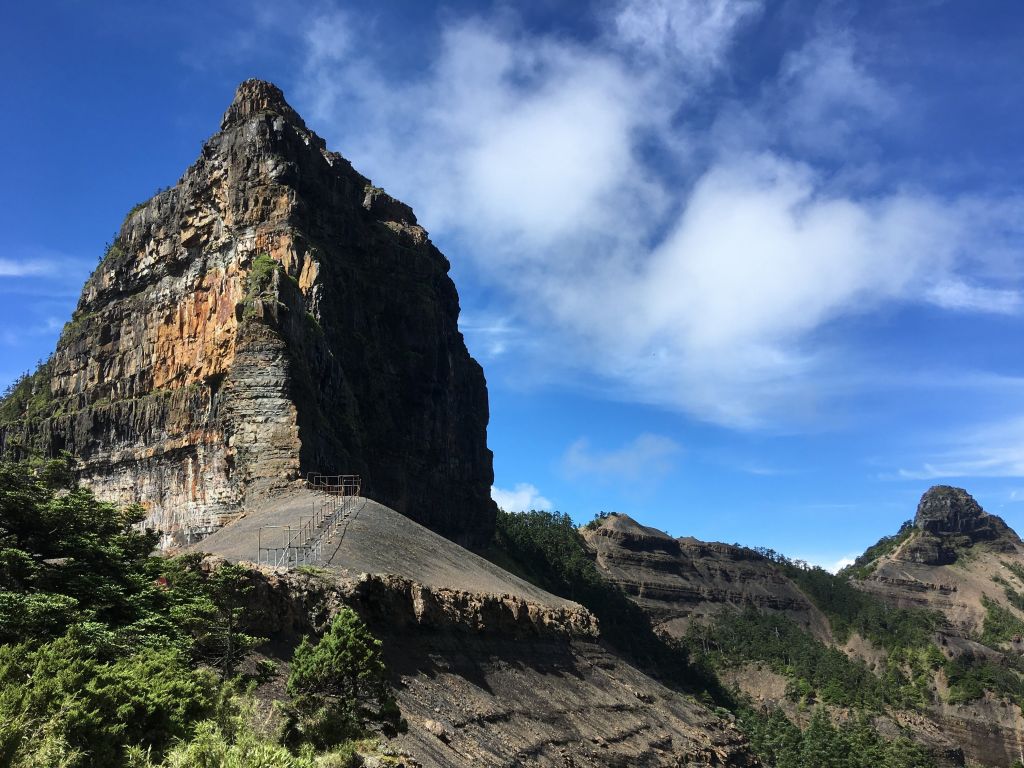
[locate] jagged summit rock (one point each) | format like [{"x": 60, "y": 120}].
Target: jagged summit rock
[
  {"x": 949, "y": 521},
  {"x": 271, "y": 314},
  {"x": 257, "y": 96},
  {"x": 945, "y": 510}
]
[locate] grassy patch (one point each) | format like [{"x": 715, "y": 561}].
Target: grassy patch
[
  {"x": 1015, "y": 568},
  {"x": 259, "y": 283}
]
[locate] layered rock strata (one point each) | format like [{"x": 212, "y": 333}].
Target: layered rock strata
[
  {"x": 965, "y": 563},
  {"x": 679, "y": 580},
  {"x": 956, "y": 558},
  {"x": 486, "y": 680},
  {"x": 273, "y": 313}
]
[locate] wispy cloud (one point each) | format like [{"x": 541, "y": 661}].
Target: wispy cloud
[
  {"x": 27, "y": 268},
  {"x": 661, "y": 261},
  {"x": 692, "y": 36},
  {"x": 995, "y": 450},
  {"x": 490, "y": 337},
  {"x": 645, "y": 457},
  {"x": 959, "y": 295},
  {"x": 50, "y": 326},
  {"x": 522, "y": 498}
]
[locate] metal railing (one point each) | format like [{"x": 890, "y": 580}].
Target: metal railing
[
  {"x": 302, "y": 544},
  {"x": 335, "y": 485}
]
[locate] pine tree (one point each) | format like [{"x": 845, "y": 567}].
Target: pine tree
[{"x": 340, "y": 684}]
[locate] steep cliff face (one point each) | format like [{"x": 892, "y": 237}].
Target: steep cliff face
[
  {"x": 969, "y": 565},
  {"x": 273, "y": 313}
]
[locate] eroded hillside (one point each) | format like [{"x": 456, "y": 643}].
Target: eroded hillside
[{"x": 923, "y": 633}]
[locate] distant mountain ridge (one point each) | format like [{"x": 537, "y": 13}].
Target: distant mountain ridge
[{"x": 954, "y": 558}]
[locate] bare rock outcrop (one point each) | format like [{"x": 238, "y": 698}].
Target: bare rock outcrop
[
  {"x": 272, "y": 313},
  {"x": 950, "y": 521}
]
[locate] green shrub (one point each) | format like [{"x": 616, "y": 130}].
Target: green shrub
[
  {"x": 62, "y": 697},
  {"x": 261, "y": 276},
  {"x": 815, "y": 670},
  {"x": 209, "y": 608},
  {"x": 29, "y": 396},
  {"x": 855, "y": 744},
  {"x": 850, "y": 610},
  {"x": 106, "y": 650},
  {"x": 970, "y": 676},
  {"x": 67, "y": 558},
  {"x": 339, "y": 685}
]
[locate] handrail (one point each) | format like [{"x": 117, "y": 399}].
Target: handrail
[{"x": 303, "y": 543}]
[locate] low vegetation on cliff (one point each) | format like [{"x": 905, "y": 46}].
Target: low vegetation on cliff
[
  {"x": 854, "y": 744},
  {"x": 851, "y": 611},
  {"x": 865, "y": 563},
  {"x": 28, "y": 396},
  {"x": 110, "y": 656}
]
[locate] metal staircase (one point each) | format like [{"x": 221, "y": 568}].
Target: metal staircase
[{"x": 290, "y": 546}]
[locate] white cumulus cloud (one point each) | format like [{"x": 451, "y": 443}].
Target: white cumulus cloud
[
  {"x": 26, "y": 268},
  {"x": 522, "y": 498},
  {"x": 649, "y": 258}
]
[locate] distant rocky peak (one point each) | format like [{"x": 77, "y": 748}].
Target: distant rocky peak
[
  {"x": 945, "y": 510},
  {"x": 254, "y": 97},
  {"x": 950, "y": 521}
]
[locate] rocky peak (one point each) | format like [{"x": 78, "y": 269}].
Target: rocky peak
[
  {"x": 256, "y": 96},
  {"x": 949, "y": 521},
  {"x": 270, "y": 315},
  {"x": 944, "y": 510}
]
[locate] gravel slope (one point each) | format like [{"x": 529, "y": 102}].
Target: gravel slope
[{"x": 377, "y": 539}]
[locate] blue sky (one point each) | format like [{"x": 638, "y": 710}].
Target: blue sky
[{"x": 750, "y": 271}]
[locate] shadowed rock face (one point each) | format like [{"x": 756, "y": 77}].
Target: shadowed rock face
[
  {"x": 271, "y": 314},
  {"x": 950, "y": 520}
]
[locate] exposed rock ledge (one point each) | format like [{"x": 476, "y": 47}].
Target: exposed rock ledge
[
  {"x": 498, "y": 680},
  {"x": 294, "y": 602}
]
